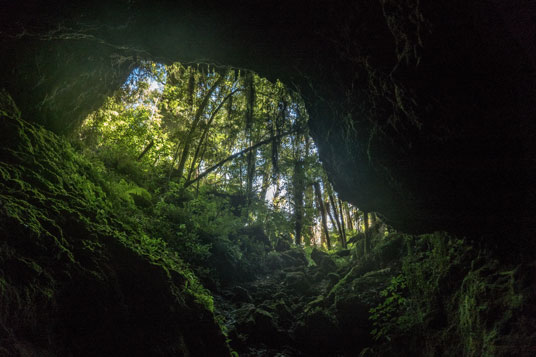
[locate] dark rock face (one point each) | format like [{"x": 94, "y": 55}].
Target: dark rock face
[{"x": 422, "y": 111}]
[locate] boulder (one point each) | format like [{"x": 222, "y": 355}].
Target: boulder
[
  {"x": 298, "y": 282},
  {"x": 323, "y": 261},
  {"x": 274, "y": 261},
  {"x": 282, "y": 245},
  {"x": 298, "y": 254},
  {"x": 289, "y": 261}
]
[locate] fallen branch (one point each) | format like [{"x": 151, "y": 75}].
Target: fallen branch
[{"x": 234, "y": 156}]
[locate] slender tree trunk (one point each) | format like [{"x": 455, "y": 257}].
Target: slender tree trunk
[
  {"x": 335, "y": 213},
  {"x": 265, "y": 183},
  {"x": 328, "y": 207},
  {"x": 208, "y": 125},
  {"x": 309, "y": 208},
  {"x": 320, "y": 202},
  {"x": 146, "y": 150},
  {"x": 277, "y": 191},
  {"x": 298, "y": 183},
  {"x": 197, "y": 118},
  {"x": 251, "y": 155},
  {"x": 372, "y": 218},
  {"x": 355, "y": 217},
  {"x": 310, "y": 237},
  {"x": 250, "y": 173},
  {"x": 277, "y": 126},
  {"x": 190, "y": 102},
  {"x": 343, "y": 237},
  {"x": 367, "y": 233},
  {"x": 348, "y": 217}
]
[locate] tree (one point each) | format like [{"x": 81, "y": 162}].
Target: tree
[
  {"x": 225, "y": 129},
  {"x": 367, "y": 232},
  {"x": 298, "y": 181},
  {"x": 322, "y": 210},
  {"x": 349, "y": 220},
  {"x": 195, "y": 123},
  {"x": 343, "y": 236}
]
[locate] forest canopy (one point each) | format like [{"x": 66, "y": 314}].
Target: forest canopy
[{"x": 211, "y": 151}]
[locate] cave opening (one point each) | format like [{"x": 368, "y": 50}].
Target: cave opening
[
  {"x": 219, "y": 166},
  {"x": 188, "y": 211}
]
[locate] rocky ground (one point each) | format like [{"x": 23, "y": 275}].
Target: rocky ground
[{"x": 302, "y": 307}]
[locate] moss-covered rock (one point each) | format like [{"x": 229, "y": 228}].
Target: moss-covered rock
[
  {"x": 77, "y": 278},
  {"x": 323, "y": 261},
  {"x": 298, "y": 282},
  {"x": 458, "y": 301}
]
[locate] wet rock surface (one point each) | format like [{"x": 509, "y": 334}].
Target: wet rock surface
[{"x": 303, "y": 309}]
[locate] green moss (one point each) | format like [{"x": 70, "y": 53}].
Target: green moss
[
  {"x": 343, "y": 284},
  {"x": 457, "y": 302},
  {"x": 60, "y": 218},
  {"x": 487, "y": 302}
]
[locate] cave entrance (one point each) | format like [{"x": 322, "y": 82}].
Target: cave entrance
[
  {"x": 199, "y": 131},
  {"x": 217, "y": 163}
]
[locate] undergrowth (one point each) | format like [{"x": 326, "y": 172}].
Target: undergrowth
[
  {"x": 452, "y": 300},
  {"x": 69, "y": 206}
]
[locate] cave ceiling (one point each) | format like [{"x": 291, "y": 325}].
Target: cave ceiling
[{"x": 423, "y": 111}]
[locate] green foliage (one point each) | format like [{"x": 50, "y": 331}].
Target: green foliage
[
  {"x": 389, "y": 317},
  {"x": 452, "y": 300},
  {"x": 55, "y": 194},
  {"x": 483, "y": 321},
  {"x": 192, "y": 226},
  {"x": 170, "y": 123},
  {"x": 429, "y": 264}
]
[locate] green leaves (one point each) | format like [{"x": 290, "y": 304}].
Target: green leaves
[{"x": 387, "y": 316}]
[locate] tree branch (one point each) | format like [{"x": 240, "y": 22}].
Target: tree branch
[{"x": 234, "y": 156}]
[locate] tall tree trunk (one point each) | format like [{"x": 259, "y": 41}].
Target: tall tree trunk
[
  {"x": 190, "y": 102},
  {"x": 335, "y": 213},
  {"x": 298, "y": 188},
  {"x": 320, "y": 202},
  {"x": 250, "y": 173},
  {"x": 197, "y": 118},
  {"x": 349, "y": 220},
  {"x": 328, "y": 207},
  {"x": 367, "y": 233},
  {"x": 265, "y": 183},
  {"x": 206, "y": 129},
  {"x": 251, "y": 155},
  {"x": 355, "y": 217},
  {"x": 277, "y": 128},
  {"x": 146, "y": 150},
  {"x": 343, "y": 238},
  {"x": 309, "y": 208},
  {"x": 372, "y": 218},
  {"x": 308, "y": 241},
  {"x": 277, "y": 191}
]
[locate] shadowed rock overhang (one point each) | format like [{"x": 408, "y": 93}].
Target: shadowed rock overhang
[{"x": 422, "y": 110}]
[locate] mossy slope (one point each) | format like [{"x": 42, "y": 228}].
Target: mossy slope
[
  {"x": 453, "y": 299},
  {"x": 77, "y": 279}
]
